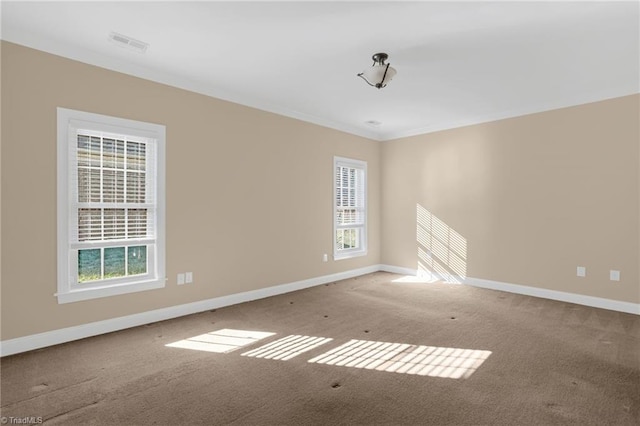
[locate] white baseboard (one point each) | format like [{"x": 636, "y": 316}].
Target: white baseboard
[
  {"x": 580, "y": 299},
  {"x": 398, "y": 270},
  {"x": 55, "y": 337},
  {"x": 50, "y": 338}
]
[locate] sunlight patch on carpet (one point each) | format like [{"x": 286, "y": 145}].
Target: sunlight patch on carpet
[
  {"x": 422, "y": 279},
  {"x": 221, "y": 341},
  {"x": 287, "y": 347},
  {"x": 432, "y": 361}
]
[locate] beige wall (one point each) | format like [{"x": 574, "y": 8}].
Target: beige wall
[
  {"x": 231, "y": 170},
  {"x": 533, "y": 197}
]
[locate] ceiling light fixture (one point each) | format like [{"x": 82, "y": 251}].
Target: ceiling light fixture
[{"x": 380, "y": 73}]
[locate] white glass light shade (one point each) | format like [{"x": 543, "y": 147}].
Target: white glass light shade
[{"x": 375, "y": 75}]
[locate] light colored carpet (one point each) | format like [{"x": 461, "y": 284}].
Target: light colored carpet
[{"x": 526, "y": 361}]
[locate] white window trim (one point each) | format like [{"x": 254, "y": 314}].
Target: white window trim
[
  {"x": 66, "y": 120},
  {"x": 362, "y": 251}
]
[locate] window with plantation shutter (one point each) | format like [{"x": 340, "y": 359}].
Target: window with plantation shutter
[
  {"x": 350, "y": 208},
  {"x": 110, "y": 206}
]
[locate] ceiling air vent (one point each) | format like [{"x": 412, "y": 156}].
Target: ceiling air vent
[{"x": 128, "y": 42}]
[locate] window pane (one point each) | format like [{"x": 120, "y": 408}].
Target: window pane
[
  {"x": 89, "y": 224},
  {"x": 137, "y": 222},
  {"x": 351, "y": 238},
  {"x": 136, "y": 187},
  {"x": 136, "y": 155},
  {"x": 113, "y": 186},
  {"x": 350, "y": 216},
  {"x": 88, "y": 151},
  {"x": 88, "y": 185},
  {"x": 137, "y": 260},
  {"x": 114, "y": 265},
  {"x": 350, "y": 208},
  {"x": 114, "y": 224},
  {"x": 113, "y": 153},
  {"x": 347, "y": 239},
  {"x": 84, "y": 146},
  {"x": 89, "y": 268}
]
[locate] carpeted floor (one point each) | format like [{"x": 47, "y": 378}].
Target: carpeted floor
[{"x": 400, "y": 353}]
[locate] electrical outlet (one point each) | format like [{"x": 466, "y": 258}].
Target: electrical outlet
[
  {"x": 180, "y": 279},
  {"x": 325, "y": 257},
  {"x": 614, "y": 275},
  {"x": 581, "y": 271},
  {"x": 188, "y": 277}
]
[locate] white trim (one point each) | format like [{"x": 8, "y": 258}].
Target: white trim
[
  {"x": 580, "y": 299},
  {"x": 68, "y": 121},
  {"x": 398, "y": 270},
  {"x": 25, "y": 38},
  {"x": 55, "y": 337},
  {"x": 109, "y": 290},
  {"x": 363, "y": 249},
  {"x": 582, "y": 99}
]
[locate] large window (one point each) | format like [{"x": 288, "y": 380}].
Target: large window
[
  {"x": 110, "y": 206},
  {"x": 350, "y": 209}
]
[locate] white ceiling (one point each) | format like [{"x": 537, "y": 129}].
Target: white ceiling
[{"x": 458, "y": 63}]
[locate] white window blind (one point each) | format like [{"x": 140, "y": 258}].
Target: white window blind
[
  {"x": 111, "y": 186},
  {"x": 114, "y": 202},
  {"x": 350, "y": 207}
]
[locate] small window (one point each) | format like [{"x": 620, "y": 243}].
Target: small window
[
  {"x": 350, "y": 208},
  {"x": 110, "y": 206}
]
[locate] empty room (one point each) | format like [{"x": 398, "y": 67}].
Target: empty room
[{"x": 320, "y": 213}]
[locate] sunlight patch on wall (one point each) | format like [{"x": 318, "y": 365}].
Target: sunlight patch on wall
[
  {"x": 403, "y": 358},
  {"x": 221, "y": 341},
  {"x": 442, "y": 252},
  {"x": 287, "y": 347}
]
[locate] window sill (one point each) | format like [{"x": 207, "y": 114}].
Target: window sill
[
  {"x": 349, "y": 255},
  {"x": 80, "y": 294}
]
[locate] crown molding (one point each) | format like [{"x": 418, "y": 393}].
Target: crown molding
[{"x": 27, "y": 39}]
